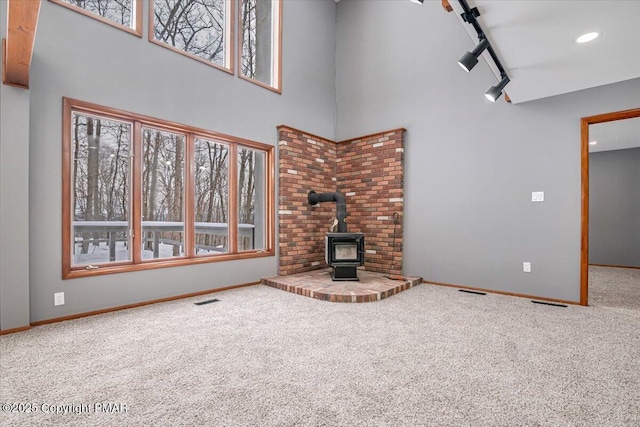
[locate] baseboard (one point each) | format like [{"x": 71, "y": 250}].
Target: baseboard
[
  {"x": 139, "y": 304},
  {"x": 14, "y": 330},
  {"x": 511, "y": 294},
  {"x": 613, "y": 266}
]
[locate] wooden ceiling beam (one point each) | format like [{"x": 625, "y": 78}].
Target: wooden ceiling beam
[{"x": 17, "y": 48}]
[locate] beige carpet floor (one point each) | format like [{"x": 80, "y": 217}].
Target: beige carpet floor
[
  {"x": 614, "y": 287},
  {"x": 429, "y": 356}
]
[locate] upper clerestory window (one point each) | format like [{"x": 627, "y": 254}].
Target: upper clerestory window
[
  {"x": 123, "y": 14},
  {"x": 200, "y": 29},
  {"x": 260, "y": 42}
]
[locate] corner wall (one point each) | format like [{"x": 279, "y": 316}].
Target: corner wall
[
  {"x": 470, "y": 165},
  {"x": 368, "y": 171}
]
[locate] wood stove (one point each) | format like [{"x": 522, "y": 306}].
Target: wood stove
[{"x": 344, "y": 252}]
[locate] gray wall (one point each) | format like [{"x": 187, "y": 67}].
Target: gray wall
[
  {"x": 614, "y": 207},
  {"x": 14, "y": 201},
  {"x": 470, "y": 165},
  {"x": 79, "y": 57}
]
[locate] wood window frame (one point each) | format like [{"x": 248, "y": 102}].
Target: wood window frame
[
  {"x": 229, "y": 66},
  {"x": 190, "y": 258},
  {"x": 137, "y": 19},
  {"x": 277, "y": 52}
]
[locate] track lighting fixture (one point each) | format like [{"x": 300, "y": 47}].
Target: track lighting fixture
[
  {"x": 494, "y": 92},
  {"x": 470, "y": 59}
]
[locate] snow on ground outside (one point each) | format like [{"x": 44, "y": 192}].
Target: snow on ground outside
[{"x": 100, "y": 254}]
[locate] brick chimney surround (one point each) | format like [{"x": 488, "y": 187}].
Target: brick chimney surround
[{"x": 368, "y": 171}]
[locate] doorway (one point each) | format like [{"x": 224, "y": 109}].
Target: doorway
[{"x": 584, "y": 246}]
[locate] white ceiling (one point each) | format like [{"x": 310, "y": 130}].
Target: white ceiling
[
  {"x": 617, "y": 135},
  {"x": 535, "y": 42}
]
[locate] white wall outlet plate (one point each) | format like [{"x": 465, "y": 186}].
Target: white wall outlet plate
[
  {"x": 58, "y": 298},
  {"x": 526, "y": 267},
  {"x": 537, "y": 196}
]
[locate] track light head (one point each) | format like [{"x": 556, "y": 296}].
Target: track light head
[
  {"x": 494, "y": 92},
  {"x": 417, "y": 1},
  {"x": 470, "y": 59},
  {"x": 467, "y": 61}
]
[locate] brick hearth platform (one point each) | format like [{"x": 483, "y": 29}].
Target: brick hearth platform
[{"x": 318, "y": 284}]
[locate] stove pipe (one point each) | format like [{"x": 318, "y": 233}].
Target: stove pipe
[{"x": 341, "y": 206}]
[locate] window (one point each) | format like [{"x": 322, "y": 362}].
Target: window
[
  {"x": 123, "y": 14},
  {"x": 197, "y": 28},
  {"x": 260, "y": 46},
  {"x": 211, "y": 196},
  {"x": 162, "y": 194},
  {"x": 140, "y": 193},
  {"x": 101, "y": 179},
  {"x": 251, "y": 199}
]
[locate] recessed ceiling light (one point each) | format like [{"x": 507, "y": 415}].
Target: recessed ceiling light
[
  {"x": 593, "y": 142},
  {"x": 585, "y": 38}
]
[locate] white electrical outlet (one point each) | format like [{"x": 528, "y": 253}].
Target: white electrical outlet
[
  {"x": 537, "y": 196},
  {"x": 58, "y": 298},
  {"x": 526, "y": 267}
]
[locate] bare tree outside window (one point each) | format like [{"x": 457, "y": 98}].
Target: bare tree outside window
[
  {"x": 251, "y": 198},
  {"x": 100, "y": 189},
  {"x": 259, "y": 34},
  {"x": 196, "y": 27},
  {"x": 211, "y": 202},
  {"x": 162, "y": 193},
  {"x": 142, "y": 193},
  {"x": 118, "y": 11}
]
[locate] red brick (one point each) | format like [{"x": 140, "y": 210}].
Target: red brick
[{"x": 360, "y": 165}]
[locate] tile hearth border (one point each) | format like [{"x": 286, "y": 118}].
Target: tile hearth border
[{"x": 318, "y": 284}]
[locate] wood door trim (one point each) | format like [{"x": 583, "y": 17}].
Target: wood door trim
[{"x": 584, "y": 217}]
